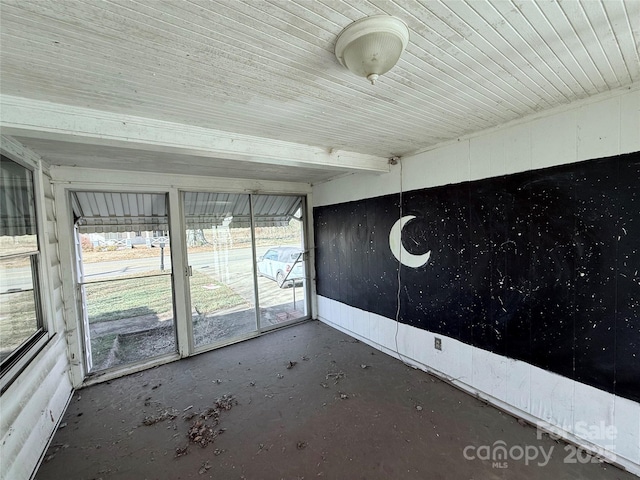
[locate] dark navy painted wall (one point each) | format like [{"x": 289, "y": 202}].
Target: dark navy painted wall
[{"x": 542, "y": 266}]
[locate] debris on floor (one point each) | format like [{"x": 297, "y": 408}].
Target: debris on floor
[
  {"x": 301, "y": 445},
  {"x": 203, "y": 469},
  {"x": 291, "y": 364},
  {"x": 337, "y": 376},
  {"x": 53, "y": 450},
  {"x": 202, "y": 434},
  {"x": 363, "y": 366},
  {"x": 203, "y": 431},
  {"x": 343, "y": 396},
  {"x": 226, "y": 402},
  {"x": 161, "y": 417},
  {"x": 181, "y": 451}
]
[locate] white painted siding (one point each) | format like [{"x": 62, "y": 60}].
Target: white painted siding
[
  {"x": 31, "y": 410},
  {"x": 603, "y": 126}
]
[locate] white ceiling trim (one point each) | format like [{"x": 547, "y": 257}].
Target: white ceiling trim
[{"x": 51, "y": 121}]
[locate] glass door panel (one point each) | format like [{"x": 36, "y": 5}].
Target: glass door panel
[
  {"x": 281, "y": 267},
  {"x": 220, "y": 259},
  {"x": 124, "y": 271}
]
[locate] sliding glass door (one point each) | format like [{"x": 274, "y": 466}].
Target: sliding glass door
[
  {"x": 220, "y": 259},
  {"x": 247, "y": 270}
]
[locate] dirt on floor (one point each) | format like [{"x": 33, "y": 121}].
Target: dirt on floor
[{"x": 300, "y": 403}]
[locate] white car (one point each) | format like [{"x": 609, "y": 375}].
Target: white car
[{"x": 282, "y": 264}]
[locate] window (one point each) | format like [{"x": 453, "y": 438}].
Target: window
[
  {"x": 21, "y": 322},
  {"x": 271, "y": 255}
]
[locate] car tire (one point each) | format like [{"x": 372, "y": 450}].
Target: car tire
[{"x": 280, "y": 279}]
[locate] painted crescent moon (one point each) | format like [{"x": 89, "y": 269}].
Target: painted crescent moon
[{"x": 398, "y": 250}]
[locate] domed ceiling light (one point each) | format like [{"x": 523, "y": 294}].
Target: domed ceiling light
[{"x": 371, "y": 46}]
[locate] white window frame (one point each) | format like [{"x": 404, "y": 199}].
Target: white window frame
[{"x": 30, "y": 350}]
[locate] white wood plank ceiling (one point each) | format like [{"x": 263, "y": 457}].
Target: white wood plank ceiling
[{"x": 265, "y": 70}]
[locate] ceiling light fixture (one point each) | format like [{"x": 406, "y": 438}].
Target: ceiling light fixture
[{"x": 371, "y": 46}]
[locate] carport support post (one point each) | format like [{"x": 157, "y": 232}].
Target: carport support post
[{"x": 161, "y": 256}]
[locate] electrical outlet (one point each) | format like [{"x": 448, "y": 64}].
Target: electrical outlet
[{"x": 437, "y": 343}]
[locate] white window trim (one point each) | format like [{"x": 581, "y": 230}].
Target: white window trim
[{"x": 27, "y": 159}]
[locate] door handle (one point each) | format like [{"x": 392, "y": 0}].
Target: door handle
[{"x": 189, "y": 271}]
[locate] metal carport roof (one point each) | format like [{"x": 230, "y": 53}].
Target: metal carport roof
[{"x": 96, "y": 212}]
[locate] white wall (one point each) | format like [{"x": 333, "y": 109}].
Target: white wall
[
  {"x": 33, "y": 403},
  {"x": 602, "y": 126}
]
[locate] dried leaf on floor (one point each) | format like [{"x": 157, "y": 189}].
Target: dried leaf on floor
[
  {"x": 201, "y": 434},
  {"x": 226, "y": 402},
  {"x": 160, "y": 417},
  {"x": 181, "y": 451},
  {"x": 337, "y": 376},
  {"x": 205, "y": 466}
]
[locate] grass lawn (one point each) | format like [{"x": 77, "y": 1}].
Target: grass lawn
[
  {"x": 134, "y": 297},
  {"x": 17, "y": 320}
]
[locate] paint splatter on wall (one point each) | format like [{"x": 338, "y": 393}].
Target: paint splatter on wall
[{"x": 541, "y": 266}]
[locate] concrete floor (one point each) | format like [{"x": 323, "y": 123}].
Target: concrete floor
[{"x": 325, "y": 417}]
